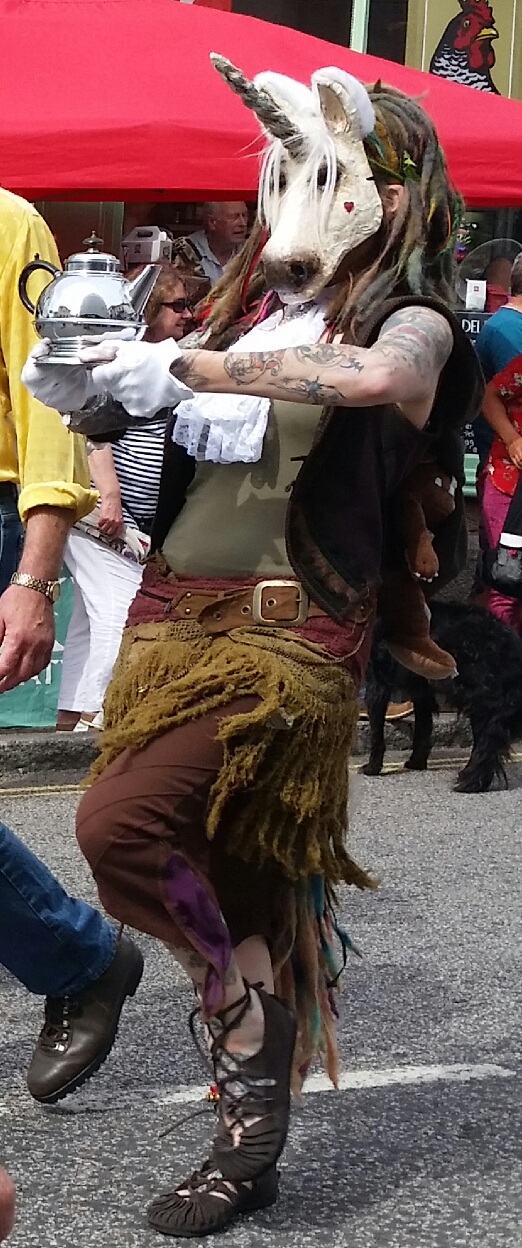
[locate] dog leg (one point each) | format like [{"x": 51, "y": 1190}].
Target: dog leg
[
  {"x": 425, "y": 708},
  {"x": 491, "y": 744},
  {"x": 377, "y": 700}
]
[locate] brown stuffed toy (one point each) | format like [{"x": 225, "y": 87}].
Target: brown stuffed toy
[{"x": 425, "y": 500}]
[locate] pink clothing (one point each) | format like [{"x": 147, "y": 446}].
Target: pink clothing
[{"x": 495, "y": 507}]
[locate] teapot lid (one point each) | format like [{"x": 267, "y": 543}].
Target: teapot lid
[{"x": 94, "y": 260}]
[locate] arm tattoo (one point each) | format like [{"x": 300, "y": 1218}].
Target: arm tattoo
[
  {"x": 250, "y": 367},
  {"x": 414, "y": 345},
  {"x": 418, "y": 337},
  {"x": 309, "y": 391},
  {"x": 186, "y": 368},
  {"x": 331, "y": 355}
]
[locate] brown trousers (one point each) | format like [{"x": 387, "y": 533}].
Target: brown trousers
[{"x": 148, "y": 806}]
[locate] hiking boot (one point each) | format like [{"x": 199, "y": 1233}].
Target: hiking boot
[{"x": 79, "y": 1031}]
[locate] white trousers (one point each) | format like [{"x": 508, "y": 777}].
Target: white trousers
[{"x": 105, "y": 584}]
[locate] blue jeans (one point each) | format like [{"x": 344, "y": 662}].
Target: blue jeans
[
  {"x": 53, "y": 943},
  {"x": 11, "y": 534}
]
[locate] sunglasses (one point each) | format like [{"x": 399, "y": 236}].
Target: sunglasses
[{"x": 179, "y": 305}]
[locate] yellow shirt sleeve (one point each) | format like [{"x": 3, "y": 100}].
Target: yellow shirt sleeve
[{"x": 52, "y": 463}]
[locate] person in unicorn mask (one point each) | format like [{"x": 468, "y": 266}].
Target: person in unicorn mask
[{"x": 325, "y": 371}]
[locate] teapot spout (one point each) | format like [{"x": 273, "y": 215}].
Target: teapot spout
[{"x": 141, "y": 287}]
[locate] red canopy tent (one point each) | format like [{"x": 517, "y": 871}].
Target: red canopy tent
[{"x": 117, "y": 99}]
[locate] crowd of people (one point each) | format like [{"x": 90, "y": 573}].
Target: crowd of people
[{"x": 236, "y": 541}]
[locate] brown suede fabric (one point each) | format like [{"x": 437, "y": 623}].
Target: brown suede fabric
[{"x": 151, "y": 802}]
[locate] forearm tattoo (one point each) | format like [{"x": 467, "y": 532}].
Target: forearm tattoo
[
  {"x": 188, "y": 368},
  {"x": 251, "y": 368}
]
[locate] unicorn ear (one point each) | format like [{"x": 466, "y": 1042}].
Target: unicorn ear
[
  {"x": 334, "y": 111},
  {"x": 344, "y": 102}
]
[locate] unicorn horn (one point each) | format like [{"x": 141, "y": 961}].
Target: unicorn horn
[{"x": 268, "y": 112}]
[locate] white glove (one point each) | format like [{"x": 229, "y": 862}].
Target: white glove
[
  {"x": 62, "y": 386},
  {"x": 138, "y": 374}
]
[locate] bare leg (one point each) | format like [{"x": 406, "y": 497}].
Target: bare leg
[
  {"x": 254, "y": 962},
  {"x": 247, "y": 1038}
]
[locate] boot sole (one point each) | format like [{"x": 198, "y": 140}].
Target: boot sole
[{"x": 130, "y": 989}]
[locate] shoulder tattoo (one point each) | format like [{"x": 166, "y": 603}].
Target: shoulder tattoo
[{"x": 419, "y": 337}]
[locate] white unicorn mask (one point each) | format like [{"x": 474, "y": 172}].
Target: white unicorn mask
[{"x": 317, "y": 194}]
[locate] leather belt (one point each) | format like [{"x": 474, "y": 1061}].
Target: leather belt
[{"x": 272, "y": 603}]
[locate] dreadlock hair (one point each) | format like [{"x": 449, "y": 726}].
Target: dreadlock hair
[
  {"x": 411, "y": 254},
  {"x": 416, "y": 248}
]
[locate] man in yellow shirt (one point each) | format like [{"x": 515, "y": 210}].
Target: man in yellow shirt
[
  {"x": 37, "y": 455},
  {"x": 57, "y": 946}
]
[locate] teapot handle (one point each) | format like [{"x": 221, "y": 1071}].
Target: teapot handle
[{"x": 22, "y": 281}]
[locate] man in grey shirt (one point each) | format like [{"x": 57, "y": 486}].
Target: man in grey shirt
[{"x": 224, "y": 231}]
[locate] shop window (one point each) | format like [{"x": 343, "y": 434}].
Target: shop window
[
  {"x": 387, "y": 29},
  {"x": 327, "y": 19},
  {"x": 71, "y": 223}
]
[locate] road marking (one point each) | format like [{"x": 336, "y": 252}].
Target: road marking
[
  {"x": 39, "y": 790},
  {"x": 350, "y": 1081},
  {"x": 357, "y": 1080},
  {"x": 434, "y": 764}
]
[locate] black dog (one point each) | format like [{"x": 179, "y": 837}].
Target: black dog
[{"x": 488, "y": 689}]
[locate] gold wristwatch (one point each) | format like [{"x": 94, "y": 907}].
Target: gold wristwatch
[{"x": 50, "y": 589}]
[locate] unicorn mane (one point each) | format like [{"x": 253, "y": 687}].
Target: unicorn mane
[{"x": 313, "y": 146}]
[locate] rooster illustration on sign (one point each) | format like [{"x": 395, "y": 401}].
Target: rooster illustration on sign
[{"x": 465, "y": 53}]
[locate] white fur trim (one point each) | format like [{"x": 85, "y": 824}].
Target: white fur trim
[
  {"x": 294, "y": 93},
  {"x": 331, "y": 76}
]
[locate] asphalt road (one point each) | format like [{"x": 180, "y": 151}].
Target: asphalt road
[{"x": 421, "y": 1148}]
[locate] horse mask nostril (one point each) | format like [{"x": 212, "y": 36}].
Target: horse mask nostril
[{"x": 299, "y": 273}]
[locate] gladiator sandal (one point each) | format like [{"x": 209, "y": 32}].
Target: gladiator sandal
[
  {"x": 206, "y": 1202},
  {"x": 254, "y": 1092}
]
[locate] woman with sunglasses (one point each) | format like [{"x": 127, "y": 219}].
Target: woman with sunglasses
[{"x": 103, "y": 555}]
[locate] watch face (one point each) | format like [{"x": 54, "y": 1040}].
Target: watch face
[{"x": 55, "y": 592}]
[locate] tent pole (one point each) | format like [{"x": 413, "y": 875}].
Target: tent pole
[{"x": 359, "y": 26}]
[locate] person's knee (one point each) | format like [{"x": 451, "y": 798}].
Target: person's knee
[
  {"x": 7, "y": 1204},
  {"x": 95, "y": 826}
]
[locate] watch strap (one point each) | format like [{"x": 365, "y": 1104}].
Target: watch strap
[{"x": 50, "y": 589}]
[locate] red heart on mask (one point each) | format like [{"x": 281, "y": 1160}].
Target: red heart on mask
[{"x": 349, "y": 206}]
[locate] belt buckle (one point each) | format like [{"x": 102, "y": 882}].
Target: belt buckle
[{"x": 257, "y": 603}]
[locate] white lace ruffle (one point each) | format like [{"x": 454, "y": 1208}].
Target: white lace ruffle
[
  {"x": 222, "y": 437},
  {"x": 230, "y": 429}
]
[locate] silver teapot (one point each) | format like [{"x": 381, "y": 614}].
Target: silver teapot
[{"x": 90, "y": 298}]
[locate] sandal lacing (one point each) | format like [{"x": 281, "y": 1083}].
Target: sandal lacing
[
  {"x": 254, "y": 1092},
  {"x": 253, "y": 1102}
]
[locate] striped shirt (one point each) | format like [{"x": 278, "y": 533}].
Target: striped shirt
[{"x": 138, "y": 457}]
